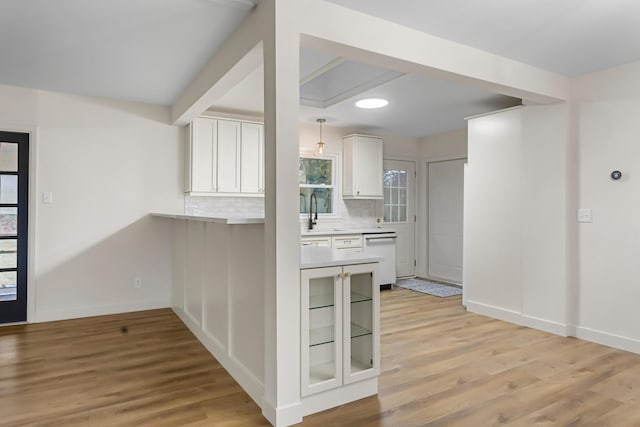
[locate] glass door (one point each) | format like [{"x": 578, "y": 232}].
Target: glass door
[
  {"x": 321, "y": 329},
  {"x": 14, "y": 173},
  {"x": 361, "y": 321}
]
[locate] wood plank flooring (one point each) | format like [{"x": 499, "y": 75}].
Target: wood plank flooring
[{"x": 441, "y": 366}]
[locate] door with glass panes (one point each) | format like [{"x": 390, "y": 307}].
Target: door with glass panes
[
  {"x": 14, "y": 173},
  {"x": 399, "y": 212}
]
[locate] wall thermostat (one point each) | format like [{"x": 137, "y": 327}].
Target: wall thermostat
[{"x": 616, "y": 174}]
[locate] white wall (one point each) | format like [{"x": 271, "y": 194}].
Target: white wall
[
  {"x": 607, "y": 105},
  {"x": 444, "y": 146},
  {"x": 515, "y": 213},
  {"x": 108, "y": 164}
]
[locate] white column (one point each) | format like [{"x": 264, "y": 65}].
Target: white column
[{"x": 282, "y": 232}]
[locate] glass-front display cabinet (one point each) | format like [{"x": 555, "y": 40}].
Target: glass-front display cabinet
[{"x": 339, "y": 326}]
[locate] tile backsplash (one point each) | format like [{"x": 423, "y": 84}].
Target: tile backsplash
[
  {"x": 352, "y": 213},
  {"x": 250, "y": 207}
]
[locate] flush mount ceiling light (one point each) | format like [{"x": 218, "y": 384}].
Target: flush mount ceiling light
[
  {"x": 371, "y": 103},
  {"x": 320, "y": 142}
]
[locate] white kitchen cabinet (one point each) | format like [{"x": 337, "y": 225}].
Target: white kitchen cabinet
[
  {"x": 362, "y": 167},
  {"x": 228, "y": 166},
  {"x": 339, "y": 326},
  {"x": 225, "y": 157},
  {"x": 202, "y": 148},
  {"x": 252, "y": 158}
]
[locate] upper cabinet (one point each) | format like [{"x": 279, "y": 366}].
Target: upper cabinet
[
  {"x": 252, "y": 158},
  {"x": 225, "y": 157},
  {"x": 362, "y": 167}
]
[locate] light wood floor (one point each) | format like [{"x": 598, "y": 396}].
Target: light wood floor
[{"x": 441, "y": 366}]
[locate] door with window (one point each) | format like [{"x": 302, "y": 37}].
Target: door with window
[
  {"x": 399, "y": 212},
  {"x": 14, "y": 173}
]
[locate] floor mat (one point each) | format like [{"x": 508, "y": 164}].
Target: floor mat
[{"x": 431, "y": 288}]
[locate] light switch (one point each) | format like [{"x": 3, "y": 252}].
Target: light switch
[
  {"x": 47, "y": 197},
  {"x": 584, "y": 215}
]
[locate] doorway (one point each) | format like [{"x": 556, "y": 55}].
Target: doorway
[
  {"x": 14, "y": 192},
  {"x": 445, "y": 214},
  {"x": 399, "y": 212}
]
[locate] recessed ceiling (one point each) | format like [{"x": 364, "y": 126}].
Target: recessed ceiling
[
  {"x": 418, "y": 105},
  {"x": 341, "y": 82}
]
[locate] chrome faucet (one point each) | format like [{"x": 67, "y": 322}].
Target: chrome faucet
[{"x": 313, "y": 220}]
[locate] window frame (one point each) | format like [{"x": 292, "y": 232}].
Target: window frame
[
  {"x": 397, "y": 204},
  {"x": 334, "y": 179}
]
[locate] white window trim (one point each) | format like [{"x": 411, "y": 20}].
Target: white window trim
[{"x": 337, "y": 187}]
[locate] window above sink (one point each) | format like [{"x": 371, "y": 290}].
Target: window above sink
[{"x": 317, "y": 176}]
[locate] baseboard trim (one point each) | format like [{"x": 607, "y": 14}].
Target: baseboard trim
[
  {"x": 284, "y": 416},
  {"x": 608, "y": 339},
  {"x": 493, "y": 311},
  {"x": 518, "y": 318},
  {"x": 545, "y": 325},
  {"x": 99, "y": 310}
]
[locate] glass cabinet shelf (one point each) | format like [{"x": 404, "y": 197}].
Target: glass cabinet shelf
[
  {"x": 319, "y": 336},
  {"x": 320, "y": 301},
  {"x": 356, "y": 297},
  {"x": 359, "y": 331}
]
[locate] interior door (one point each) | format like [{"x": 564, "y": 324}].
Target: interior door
[
  {"x": 14, "y": 185},
  {"x": 399, "y": 212},
  {"x": 446, "y": 191}
]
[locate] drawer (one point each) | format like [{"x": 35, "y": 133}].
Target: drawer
[
  {"x": 344, "y": 242},
  {"x": 316, "y": 241}
]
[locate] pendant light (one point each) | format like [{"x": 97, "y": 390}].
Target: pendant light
[{"x": 320, "y": 142}]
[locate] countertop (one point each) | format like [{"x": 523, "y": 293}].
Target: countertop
[
  {"x": 219, "y": 220},
  {"x": 317, "y": 257},
  {"x": 342, "y": 231}
]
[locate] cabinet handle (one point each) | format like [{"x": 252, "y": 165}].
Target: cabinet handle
[
  {"x": 347, "y": 274},
  {"x": 341, "y": 275}
]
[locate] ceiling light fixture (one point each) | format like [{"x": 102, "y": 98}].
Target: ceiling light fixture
[
  {"x": 371, "y": 103},
  {"x": 320, "y": 142}
]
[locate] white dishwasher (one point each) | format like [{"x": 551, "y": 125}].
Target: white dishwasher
[{"x": 383, "y": 244}]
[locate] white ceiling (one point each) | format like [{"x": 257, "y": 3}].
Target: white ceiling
[
  {"x": 138, "y": 50},
  {"x": 569, "y": 37},
  {"x": 149, "y": 50}
]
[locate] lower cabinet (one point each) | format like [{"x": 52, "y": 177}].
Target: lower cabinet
[{"x": 340, "y": 326}]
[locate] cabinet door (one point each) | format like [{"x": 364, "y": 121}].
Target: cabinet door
[
  {"x": 202, "y": 155},
  {"x": 228, "y": 161},
  {"x": 321, "y": 329},
  {"x": 252, "y": 158},
  {"x": 368, "y": 167},
  {"x": 361, "y": 323}
]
